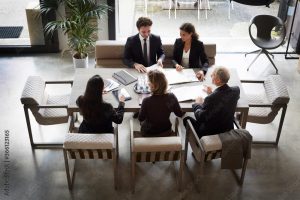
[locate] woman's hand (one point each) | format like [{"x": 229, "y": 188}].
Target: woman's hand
[
  {"x": 207, "y": 89},
  {"x": 122, "y": 98},
  {"x": 199, "y": 100},
  {"x": 179, "y": 68}
]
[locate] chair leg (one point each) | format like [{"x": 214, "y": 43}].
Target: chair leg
[
  {"x": 180, "y": 171},
  {"x": 186, "y": 144},
  {"x": 256, "y": 51},
  {"x": 28, "y": 126},
  {"x": 133, "y": 160},
  {"x": 281, "y": 123},
  {"x": 38, "y": 145},
  {"x": 267, "y": 54},
  {"x": 69, "y": 176},
  {"x": 243, "y": 171},
  {"x": 115, "y": 164},
  {"x": 260, "y": 52}
]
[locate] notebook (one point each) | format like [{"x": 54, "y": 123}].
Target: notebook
[
  {"x": 122, "y": 91},
  {"x": 124, "y": 77}
]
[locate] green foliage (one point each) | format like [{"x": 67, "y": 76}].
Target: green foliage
[{"x": 77, "y": 23}]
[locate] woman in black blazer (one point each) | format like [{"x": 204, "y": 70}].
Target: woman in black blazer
[
  {"x": 188, "y": 51},
  {"x": 98, "y": 115}
]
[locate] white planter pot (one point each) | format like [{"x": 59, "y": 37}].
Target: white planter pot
[{"x": 81, "y": 63}]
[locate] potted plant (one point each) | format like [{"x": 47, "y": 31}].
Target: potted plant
[{"x": 76, "y": 24}]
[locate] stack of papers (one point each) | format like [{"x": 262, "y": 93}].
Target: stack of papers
[
  {"x": 187, "y": 93},
  {"x": 184, "y": 76},
  {"x": 110, "y": 84},
  {"x": 176, "y": 77}
]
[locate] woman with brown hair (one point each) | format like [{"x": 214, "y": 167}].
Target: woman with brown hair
[
  {"x": 156, "y": 109},
  {"x": 97, "y": 114},
  {"x": 188, "y": 51}
]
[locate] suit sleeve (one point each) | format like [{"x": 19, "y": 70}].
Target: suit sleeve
[
  {"x": 203, "y": 59},
  {"x": 203, "y": 112},
  {"x": 160, "y": 51},
  {"x": 118, "y": 114},
  {"x": 128, "y": 57}
]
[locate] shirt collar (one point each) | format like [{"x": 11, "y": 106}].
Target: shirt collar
[{"x": 142, "y": 39}]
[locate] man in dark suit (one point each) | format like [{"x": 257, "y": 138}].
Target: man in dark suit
[
  {"x": 143, "y": 49},
  {"x": 215, "y": 113}
]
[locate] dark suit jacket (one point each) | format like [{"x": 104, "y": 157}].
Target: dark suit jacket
[
  {"x": 133, "y": 52},
  {"x": 216, "y": 114},
  {"x": 197, "y": 59}
]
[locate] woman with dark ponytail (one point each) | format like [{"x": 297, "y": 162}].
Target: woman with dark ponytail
[
  {"x": 188, "y": 51},
  {"x": 98, "y": 115}
]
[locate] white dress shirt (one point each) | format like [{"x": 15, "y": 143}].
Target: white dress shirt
[{"x": 148, "y": 45}]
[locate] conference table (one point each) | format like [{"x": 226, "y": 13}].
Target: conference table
[{"x": 82, "y": 75}]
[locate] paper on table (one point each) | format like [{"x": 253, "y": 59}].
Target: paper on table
[
  {"x": 187, "y": 93},
  {"x": 154, "y": 67},
  {"x": 110, "y": 84},
  {"x": 184, "y": 76}
]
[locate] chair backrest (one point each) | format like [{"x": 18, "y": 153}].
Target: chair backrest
[
  {"x": 276, "y": 93},
  {"x": 89, "y": 146},
  {"x": 151, "y": 149},
  {"x": 33, "y": 92},
  {"x": 265, "y": 24}
]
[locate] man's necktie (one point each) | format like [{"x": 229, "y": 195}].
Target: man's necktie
[{"x": 145, "y": 52}]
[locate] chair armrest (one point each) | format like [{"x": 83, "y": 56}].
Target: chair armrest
[
  {"x": 52, "y": 106},
  {"x": 131, "y": 135},
  {"x": 60, "y": 82},
  {"x": 116, "y": 133},
  {"x": 260, "y": 105},
  {"x": 236, "y": 123},
  {"x": 194, "y": 134},
  {"x": 252, "y": 81}
]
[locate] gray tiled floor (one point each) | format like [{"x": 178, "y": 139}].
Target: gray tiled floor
[{"x": 273, "y": 173}]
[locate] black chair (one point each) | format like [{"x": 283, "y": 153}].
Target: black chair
[{"x": 266, "y": 25}]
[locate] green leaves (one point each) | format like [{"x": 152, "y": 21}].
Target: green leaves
[{"x": 77, "y": 25}]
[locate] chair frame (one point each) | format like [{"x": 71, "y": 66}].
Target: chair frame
[
  {"x": 115, "y": 158},
  {"x": 27, "y": 107},
  {"x": 190, "y": 132},
  {"x": 283, "y": 112},
  {"x": 133, "y": 156}
]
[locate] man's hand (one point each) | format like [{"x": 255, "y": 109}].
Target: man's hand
[
  {"x": 159, "y": 63},
  {"x": 207, "y": 89},
  {"x": 141, "y": 68},
  {"x": 200, "y": 75},
  {"x": 179, "y": 68},
  {"x": 199, "y": 100}
]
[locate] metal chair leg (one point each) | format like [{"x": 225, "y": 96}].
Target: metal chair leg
[
  {"x": 280, "y": 124},
  {"x": 260, "y": 52},
  {"x": 267, "y": 54}
]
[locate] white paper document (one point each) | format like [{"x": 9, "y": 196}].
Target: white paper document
[
  {"x": 110, "y": 84},
  {"x": 154, "y": 67},
  {"x": 187, "y": 93},
  {"x": 184, "y": 76}
]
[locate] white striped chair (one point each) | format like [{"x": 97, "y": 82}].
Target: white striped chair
[
  {"x": 91, "y": 146},
  {"x": 153, "y": 149},
  {"x": 264, "y": 107},
  {"x": 208, "y": 148},
  {"x": 47, "y": 109}
]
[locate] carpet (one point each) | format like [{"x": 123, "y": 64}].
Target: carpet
[{"x": 10, "y": 31}]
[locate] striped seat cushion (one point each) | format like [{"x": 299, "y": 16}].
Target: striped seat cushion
[
  {"x": 157, "y": 156},
  {"x": 212, "y": 155},
  {"x": 89, "y": 141},
  {"x": 155, "y": 144},
  {"x": 89, "y": 153}
]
